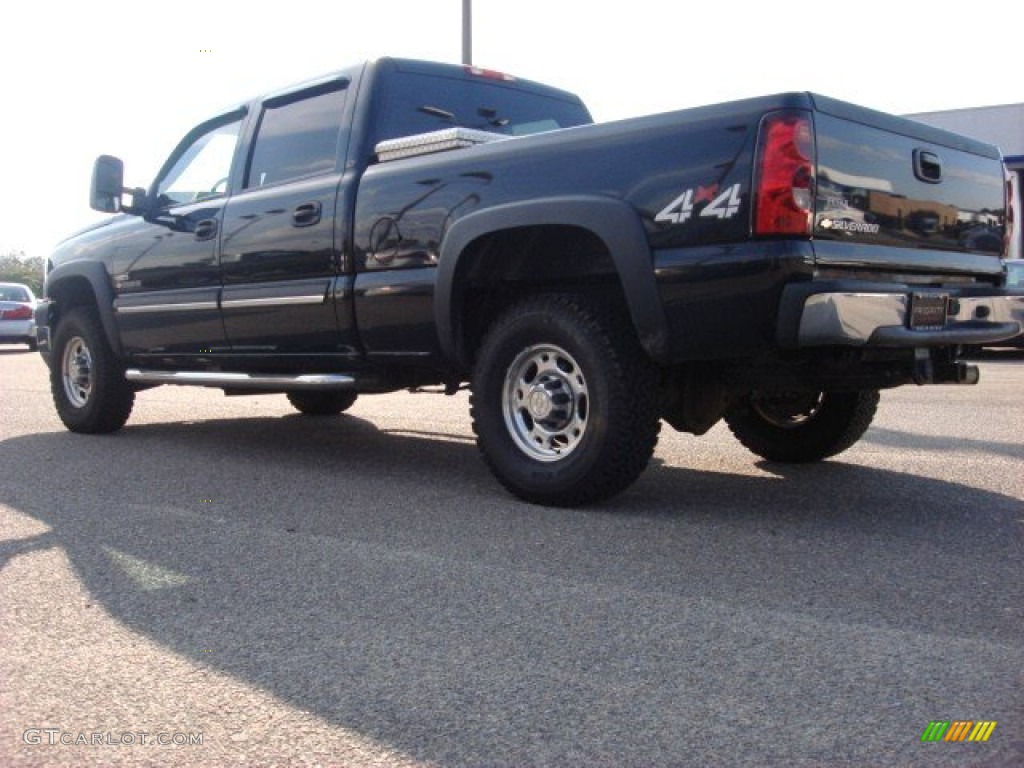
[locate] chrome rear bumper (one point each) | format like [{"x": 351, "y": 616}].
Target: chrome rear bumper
[{"x": 873, "y": 318}]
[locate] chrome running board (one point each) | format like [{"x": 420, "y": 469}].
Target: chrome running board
[{"x": 264, "y": 381}]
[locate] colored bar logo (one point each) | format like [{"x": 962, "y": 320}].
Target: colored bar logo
[{"x": 958, "y": 730}]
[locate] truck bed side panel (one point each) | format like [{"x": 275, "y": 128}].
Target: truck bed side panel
[{"x": 686, "y": 174}]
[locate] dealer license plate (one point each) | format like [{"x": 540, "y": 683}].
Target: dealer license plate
[{"x": 928, "y": 311}]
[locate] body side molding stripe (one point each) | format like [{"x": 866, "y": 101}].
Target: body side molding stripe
[
  {"x": 272, "y": 301},
  {"x": 189, "y": 306}
]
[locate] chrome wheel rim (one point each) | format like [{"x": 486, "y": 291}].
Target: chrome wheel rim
[
  {"x": 546, "y": 402},
  {"x": 788, "y": 411},
  {"x": 77, "y": 372}
]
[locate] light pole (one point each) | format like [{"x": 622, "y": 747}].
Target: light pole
[{"x": 467, "y": 32}]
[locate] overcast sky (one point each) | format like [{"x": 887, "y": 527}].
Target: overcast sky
[{"x": 81, "y": 79}]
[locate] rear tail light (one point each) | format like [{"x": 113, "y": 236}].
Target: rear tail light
[
  {"x": 18, "y": 313},
  {"x": 784, "y": 195}
]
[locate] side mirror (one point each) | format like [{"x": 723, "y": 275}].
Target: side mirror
[{"x": 107, "y": 184}]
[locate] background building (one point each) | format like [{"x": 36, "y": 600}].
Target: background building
[{"x": 1000, "y": 125}]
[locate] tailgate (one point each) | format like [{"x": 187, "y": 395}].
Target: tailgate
[{"x": 931, "y": 201}]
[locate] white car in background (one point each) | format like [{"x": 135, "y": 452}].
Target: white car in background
[
  {"x": 1015, "y": 279},
  {"x": 17, "y": 315},
  {"x": 1015, "y": 273}
]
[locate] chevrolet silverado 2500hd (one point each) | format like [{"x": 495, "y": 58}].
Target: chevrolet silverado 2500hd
[{"x": 774, "y": 262}]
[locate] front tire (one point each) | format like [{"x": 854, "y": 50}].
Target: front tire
[
  {"x": 802, "y": 427},
  {"x": 322, "y": 403},
  {"x": 86, "y": 378},
  {"x": 564, "y": 402}
]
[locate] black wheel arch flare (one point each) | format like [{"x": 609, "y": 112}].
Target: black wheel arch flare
[
  {"x": 95, "y": 274},
  {"x": 613, "y": 221}
]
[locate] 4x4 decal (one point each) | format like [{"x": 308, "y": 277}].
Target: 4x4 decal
[{"x": 723, "y": 206}]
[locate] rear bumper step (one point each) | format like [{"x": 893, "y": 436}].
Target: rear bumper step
[{"x": 266, "y": 382}]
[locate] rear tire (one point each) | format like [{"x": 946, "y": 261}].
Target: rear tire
[
  {"x": 564, "y": 401},
  {"x": 322, "y": 403},
  {"x": 802, "y": 427},
  {"x": 86, "y": 378}
]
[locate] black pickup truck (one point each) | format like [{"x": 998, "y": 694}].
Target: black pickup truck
[{"x": 774, "y": 262}]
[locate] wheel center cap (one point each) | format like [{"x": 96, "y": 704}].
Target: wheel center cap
[
  {"x": 80, "y": 369},
  {"x": 540, "y": 404}
]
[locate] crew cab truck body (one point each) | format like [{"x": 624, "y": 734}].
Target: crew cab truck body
[{"x": 774, "y": 262}]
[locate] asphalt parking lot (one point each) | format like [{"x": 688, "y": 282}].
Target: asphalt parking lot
[{"x": 225, "y": 582}]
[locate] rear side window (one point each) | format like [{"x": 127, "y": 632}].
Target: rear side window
[
  {"x": 419, "y": 103},
  {"x": 297, "y": 137}
]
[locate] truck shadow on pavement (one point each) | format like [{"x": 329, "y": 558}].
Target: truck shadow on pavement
[
  {"x": 385, "y": 582},
  {"x": 891, "y": 438}
]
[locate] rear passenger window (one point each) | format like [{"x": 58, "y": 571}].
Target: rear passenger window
[
  {"x": 418, "y": 103},
  {"x": 297, "y": 136}
]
